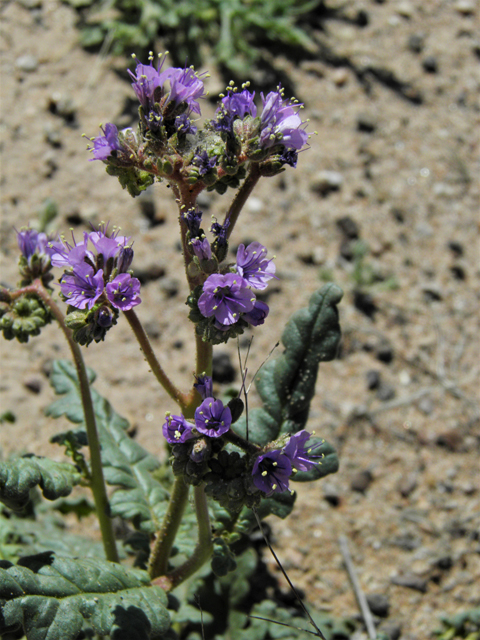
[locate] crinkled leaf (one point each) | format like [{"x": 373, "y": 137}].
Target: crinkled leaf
[
  {"x": 19, "y": 475},
  {"x": 54, "y": 598},
  {"x": 64, "y": 380},
  {"x": 139, "y": 497},
  {"x": 286, "y": 384},
  {"x": 24, "y": 536}
]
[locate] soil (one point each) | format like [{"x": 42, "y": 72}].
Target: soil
[{"x": 395, "y": 106}]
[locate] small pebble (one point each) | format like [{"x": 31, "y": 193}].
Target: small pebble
[
  {"x": 33, "y": 384},
  {"x": 340, "y": 76},
  {"x": 430, "y": 64},
  {"x": 361, "y": 481},
  {"x": 254, "y": 205},
  {"x": 170, "y": 286},
  {"x": 373, "y": 379},
  {"x": 384, "y": 353},
  {"x": 385, "y": 392},
  {"x": 365, "y": 303},
  {"x": 407, "y": 484},
  {"x": 411, "y": 581},
  {"x": 378, "y": 604},
  {"x": 27, "y": 63},
  {"x": 405, "y": 9},
  {"x": 150, "y": 272},
  {"x": 223, "y": 370},
  {"x": 466, "y": 7},
  {"x": 392, "y": 629},
  {"x": 204, "y": 200},
  {"x": 348, "y": 227},
  {"x": 416, "y": 42},
  {"x": 366, "y": 123},
  {"x": 326, "y": 181},
  {"x": 426, "y": 406}
]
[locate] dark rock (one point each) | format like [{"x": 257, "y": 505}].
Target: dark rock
[
  {"x": 398, "y": 215},
  {"x": 149, "y": 273},
  {"x": 445, "y": 563},
  {"x": 347, "y": 250},
  {"x": 407, "y": 484},
  {"x": 379, "y": 604},
  {"x": 430, "y": 64},
  {"x": 178, "y": 344},
  {"x": 392, "y": 629},
  {"x": 385, "y": 392},
  {"x": 458, "y": 272},
  {"x": 365, "y": 303},
  {"x": 432, "y": 293},
  {"x": 456, "y": 248},
  {"x": 148, "y": 210},
  {"x": 348, "y": 227},
  {"x": 223, "y": 370},
  {"x": 326, "y": 181},
  {"x": 33, "y": 384},
  {"x": 411, "y": 581},
  {"x": 384, "y": 353},
  {"x": 361, "y": 481},
  {"x": 170, "y": 286},
  {"x": 373, "y": 379},
  {"x": 63, "y": 106},
  {"x": 331, "y": 495},
  {"x": 366, "y": 123},
  {"x": 451, "y": 440},
  {"x": 416, "y": 42}
]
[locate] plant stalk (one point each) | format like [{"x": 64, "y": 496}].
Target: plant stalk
[
  {"x": 241, "y": 197},
  {"x": 97, "y": 481},
  {"x": 180, "y": 398},
  {"x": 165, "y": 537}
]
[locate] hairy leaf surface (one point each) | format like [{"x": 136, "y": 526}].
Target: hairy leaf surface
[
  {"x": 19, "y": 475},
  {"x": 54, "y": 598}
]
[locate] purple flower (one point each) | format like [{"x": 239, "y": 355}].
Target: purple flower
[
  {"x": 225, "y": 297},
  {"x": 30, "y": 242},
  {"x": 257, "y": 315},
  {"x": 176, "y": 429},
  {"x": 212, "y": 418},
  {"x": 234, "y": 105},
  {"x": 290, "y": 157},
  {"x": 146, "y": 81},
  {"x": 203, "y": 162},
  {"x": 280, "y": 124},
  {"x": 204, "y": 386},
  {"x": 200, "y": 449},
  {"x": 125, "y": 257},
  {"x": 302, "y": 459},
  {"x": 104, "y": 146},
  {"x": 201, "y": 248},
  {"x": 123, "y": 292},
  {"x": 104, "y": 317},
  {"x": 184, "y": 125},
  {"x": 271, "y": 472},
  {"x": 252, "y": 264},
  {"x": 193, "y": 218},
  {"x": 82, "y": 287},
  {"x": 65, "y": 255},
  {"x": 185, "y": 86}
]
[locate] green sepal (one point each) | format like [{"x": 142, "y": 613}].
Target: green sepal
[
  {"x": 133, "y": 180},
  {"x": 23, "y": 318},
  {"x": 223, "y": 561},
  {"x": 20, "y": 475},
  {"x": 59, "y": 598}
]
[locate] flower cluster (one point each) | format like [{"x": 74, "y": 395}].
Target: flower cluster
[
  {"x": 273, "y": 469},
  {"x": 226, "y": 303},
  {"x": 96, "y": 279},
  {"x": 35, "y": 256}
]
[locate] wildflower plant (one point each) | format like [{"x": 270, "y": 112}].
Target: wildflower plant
[{"x": 236, "y": 466}]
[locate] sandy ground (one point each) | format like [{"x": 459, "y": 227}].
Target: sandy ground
[{"x": 405, "y": 161}]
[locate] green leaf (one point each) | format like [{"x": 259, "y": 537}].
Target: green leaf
[
  {"x": 64, "y": 380},
  {"x": 53, "y": 598},
  {"x": 139, "y": 497},
  {"x": 20, "y": 475},
  {"x": 286, "y": 384}
]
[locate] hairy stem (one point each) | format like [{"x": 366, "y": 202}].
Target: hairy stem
[
  {"x": 203, "y": 549},
  {"x": 241, "y": 197},
  {"x": 180, "y": 398},
  {"x": 97, "y": 481},
  {"x": 240, "y": 442},
  {"x": 164, "y": 539}
]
